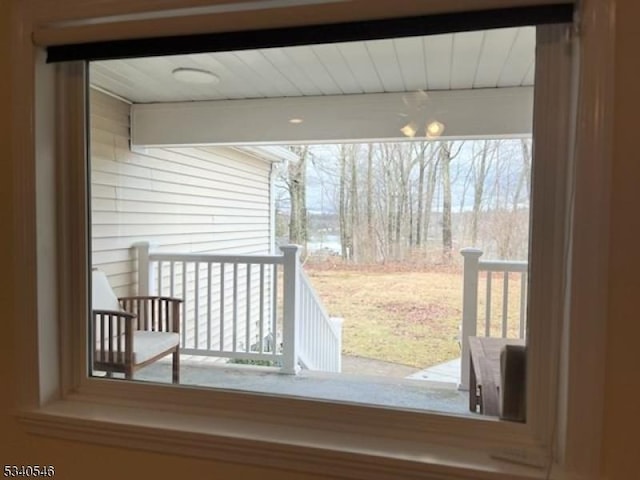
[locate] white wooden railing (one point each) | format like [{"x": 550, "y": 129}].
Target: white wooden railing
[
  {"x": 470, "y": 300},
  {"x": 244, "y": 307},
  {"x": 320, "y": 335}
]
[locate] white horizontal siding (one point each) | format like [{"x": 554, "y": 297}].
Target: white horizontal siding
[
  {"x": 185, "y": 243},
  {"x": 219, "y": 204},
  {"x": 191, "y": 199}
]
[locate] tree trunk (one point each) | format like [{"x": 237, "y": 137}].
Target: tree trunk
[
  {"x": 298, "y": 230},
  {"x": 432, "y": 175},
  {"x": 419, "y": 214},
  {"x": 401, "y": 199},
  {"x": 390, "y": 210},
  {"x": 524, "y": 178},
  {"x": 344, "y": 244},
  {"x": 370, "y": 227},
  {"x": 353, "y": 204},
  {"x": 410, "y": 208},
  {"x": 480, "y": 179},
  {"x": 445, "y": 163}
]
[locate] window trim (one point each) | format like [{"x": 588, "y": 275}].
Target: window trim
[{"x": 95, "y": 396}]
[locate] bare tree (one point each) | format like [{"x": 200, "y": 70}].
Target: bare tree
[
  {"x": 348, "y": 199},
  {"x": 342, "y": 209},
  {"x": 391, "y": 198},
  {"x": 524, "y": 179},
  {"x": 446, "y": 156},
  {"x": 400, "y": 193},
  {"x": 296, "y": 185},
  {"x": 424, "y": 158},
  {"x": 370, "y": 250},
  {"x": 480, "y": 168},
  {"x": 507, "y": 220},
  {"x": 384, "y": 196},
  {"x": 354, "y": 213},
  {"x": 432, "y": 175}
]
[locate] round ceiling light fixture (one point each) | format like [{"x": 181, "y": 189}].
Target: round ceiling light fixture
[
  {"x": 195, "y": 76},
  {"x": 435, "y": 129},
  {"x": 296, "y": 120},
  {"x": 409, "y": 130}
]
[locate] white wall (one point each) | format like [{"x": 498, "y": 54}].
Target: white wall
[{"x": 181, "y": 200}]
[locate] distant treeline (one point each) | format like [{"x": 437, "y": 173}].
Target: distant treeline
[{"x": 419, "y": 200}]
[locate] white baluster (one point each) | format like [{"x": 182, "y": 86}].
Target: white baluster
[
  {"x": 487, "y": 321},
  {"x": 209, "y": 333},
  {"x": 247, "y": 333},
  {"x": 261, "y": 314},
  {"x": 196, "y": 306},
  {"x": 222, "y": 306},
  {"x": 234, "y": 315}
]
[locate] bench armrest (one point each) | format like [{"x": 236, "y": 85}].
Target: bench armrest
[
  {"x": 151, "y": 297},
  {"x": 114, "y": 313}
]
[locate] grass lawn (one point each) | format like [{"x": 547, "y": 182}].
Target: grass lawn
[{"x": 405, "y": 317}]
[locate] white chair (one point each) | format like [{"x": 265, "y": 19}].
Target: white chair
[{"x": 133, "y": 332}]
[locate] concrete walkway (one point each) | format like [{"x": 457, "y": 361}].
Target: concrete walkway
[
  {"x": 379, "y": 368},
  {"x": 365, "y": 389},
  {"x": 447, "y": 372}
]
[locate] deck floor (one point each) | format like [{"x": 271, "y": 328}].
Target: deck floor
[{"x": 422, "y": 392}]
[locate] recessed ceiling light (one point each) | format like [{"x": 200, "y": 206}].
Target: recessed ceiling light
[
  {"x": 435, "y": 129},
  {"x": 195, "y": 76},
  {"x": 409, "y": 130},
  {"x": 296, "y": 120}
]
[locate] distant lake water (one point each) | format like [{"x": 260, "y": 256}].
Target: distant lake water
[{"x": 326, "y": 242}]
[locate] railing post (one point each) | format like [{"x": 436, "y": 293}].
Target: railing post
[
  {"x": 469, "y": 309},
  {"x": 337, "y": 324},
  {"x": 291, "y": 298},
  {"x": 144, "y": 272}
]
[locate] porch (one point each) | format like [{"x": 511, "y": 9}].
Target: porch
[
  {"x": 173, "y": 169},
  {"x": 246, "y": 318}
]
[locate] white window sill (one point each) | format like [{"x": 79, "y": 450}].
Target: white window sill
[{"x": 250, "y": 441}]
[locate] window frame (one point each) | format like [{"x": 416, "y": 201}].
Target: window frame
[{"x": 81, "y": 398}]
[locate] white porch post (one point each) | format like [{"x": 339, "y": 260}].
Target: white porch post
[
  {"x": 337, "y": 323},
  {"x": 469, "y": 308},
  {"x": 142, "y": 253},
  {"x": 291, "y": 295}
]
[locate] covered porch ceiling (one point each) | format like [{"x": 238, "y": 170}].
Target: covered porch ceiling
[{"x": 475, "y": 84}]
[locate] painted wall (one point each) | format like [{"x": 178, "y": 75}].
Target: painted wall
[
  {"x": 181, "y": 200},
  {"x": 622, "y": 416}
]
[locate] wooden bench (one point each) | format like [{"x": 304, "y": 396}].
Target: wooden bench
[
  {"x": 133, "y": 332},
  {"x": 497, "y": 377}
]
